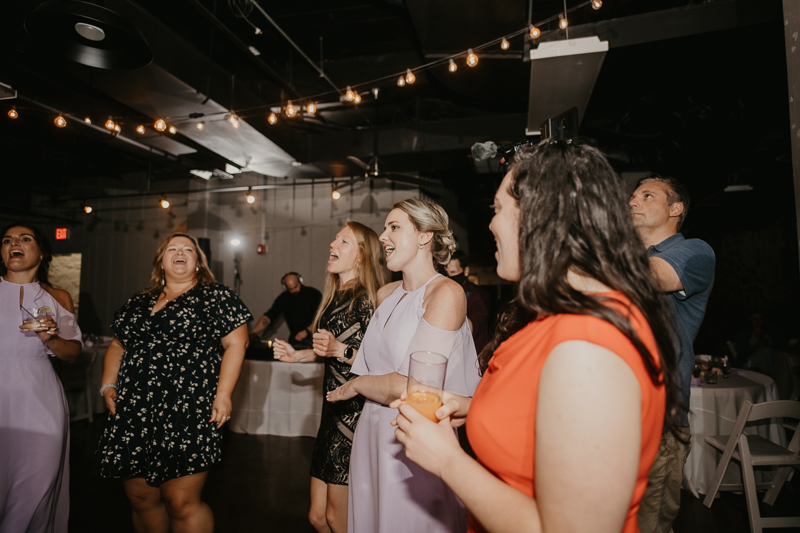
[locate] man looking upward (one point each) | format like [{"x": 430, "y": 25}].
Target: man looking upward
[{"x": 684, "y": 271}]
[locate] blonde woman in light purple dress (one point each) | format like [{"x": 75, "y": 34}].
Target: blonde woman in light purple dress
[{"x": 424, "y": 311}]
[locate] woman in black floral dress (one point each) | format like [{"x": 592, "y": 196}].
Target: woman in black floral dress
[
  {"x": 168, "y": 377},
  {"x": 355, "y": 272}
]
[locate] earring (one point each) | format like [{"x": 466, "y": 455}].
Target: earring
[
  {"x": 421, "y": 246},
  {"x": 163, "y": 278},
  {"x": 197, "y": 269}
]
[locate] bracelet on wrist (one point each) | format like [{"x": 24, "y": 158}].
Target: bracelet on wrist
[{"x": 108, "y": 386}]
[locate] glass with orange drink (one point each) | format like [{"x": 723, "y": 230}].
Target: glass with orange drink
[{"x": 426, "y": 371}]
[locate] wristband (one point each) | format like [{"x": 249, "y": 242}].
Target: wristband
[{"x": 106, "y": 386}]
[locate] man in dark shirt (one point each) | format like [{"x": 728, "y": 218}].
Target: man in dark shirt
[
  {"x": 477, "y": 299},
  {"x": 684, "y": 271},
  {"x": 298, "y": 304}
]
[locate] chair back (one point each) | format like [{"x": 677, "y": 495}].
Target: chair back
[{"x": 776, "y": 409}]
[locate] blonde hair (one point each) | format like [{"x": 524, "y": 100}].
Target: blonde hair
[
  {"x": 157, "y": 279},
  {"x": 371, "y": 272},
  {"x": 430, "y": 217}
]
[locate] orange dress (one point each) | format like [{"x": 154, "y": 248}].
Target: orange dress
[{"x": 504, "y": 439}]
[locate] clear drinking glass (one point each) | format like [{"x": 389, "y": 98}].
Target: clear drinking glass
[
  {"x": 32, "y": 317},
  {"x": 426, "y": 371}
]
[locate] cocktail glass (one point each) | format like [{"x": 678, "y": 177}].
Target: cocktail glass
[{"x": 426, "y": 372}]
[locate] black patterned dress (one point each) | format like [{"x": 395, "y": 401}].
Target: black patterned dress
[
  {"x": 167, "y": 383},
  {"x": 330, "y": 461}
]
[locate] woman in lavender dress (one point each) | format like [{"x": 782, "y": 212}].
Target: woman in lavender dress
[
  {"x": 34, "y": 418},
  {"x": 424, "y": 311}
]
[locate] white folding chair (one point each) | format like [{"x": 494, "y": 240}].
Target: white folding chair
[{"x": 753, "y": 450}]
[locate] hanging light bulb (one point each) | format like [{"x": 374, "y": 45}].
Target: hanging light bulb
[
  {"x": 562, "y": 22},
  {"x": 87, "y": 209},
  {"x": 164, "y": 203},
  {"x": 160, "y": 125},
  {"x": 87, "y": 120},
  {"x": 272, "y": 119},
  {"x": 452, "y": 67},
  {"x": 401, "y": 81},
  {"x": 311, "y": 108},
  {"x": 116, "y": 128},
  {"x": 597, "y": 4},
  {"x": 201, "y": 125},
  {"x": 504, "y": 44},
  {"x": 290, "y": 110},
  {"x": 410, "y": 78},
  {"x": 336, "y": 194},
  {"x": 250, "y": 198},
  {"x": 349, "y": 95},
  {"x": 472, "y": 59},
  {"x": 12, "y": 113},
  {"x": 60, "y": 121},
  {"x": 173, "y": 130},
  {"x": 357, "y": 99},
  {"x": 234, "y": 120},
  {"x": 110, "y": 124},
  {"x": 140, "y": 129},
  {"x": 535, "y": 32}
]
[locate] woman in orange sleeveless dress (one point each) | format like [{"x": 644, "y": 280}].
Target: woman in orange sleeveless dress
[{"x": 567, "y": 419}]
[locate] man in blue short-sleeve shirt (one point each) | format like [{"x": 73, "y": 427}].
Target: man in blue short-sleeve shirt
[{"x": 684, "y": 271}]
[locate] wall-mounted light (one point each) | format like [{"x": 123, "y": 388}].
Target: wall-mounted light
[
  {"x": 164, "y": 203},
  {"x": 452, "y": 67},
  {"x": 272, "y": 119},
  {"x": 250, "y": 198},
  {"x": 472, "y": 58},
  {"x": 504, "y": 44},
  {"x": 60, "y": 121},
  {"x": 160, "y": 124},
  {"x": 13, "y": 113}
]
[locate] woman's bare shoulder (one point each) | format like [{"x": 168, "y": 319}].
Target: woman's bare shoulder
[
  {"x": 61, "y": 296},
  {"x": 445, "y": 304}
]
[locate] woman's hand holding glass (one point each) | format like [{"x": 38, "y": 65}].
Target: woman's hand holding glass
[
  {"x": 454, "y": 408},
  {"x": 430, "y": 445}
]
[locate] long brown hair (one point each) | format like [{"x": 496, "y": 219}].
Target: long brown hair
[
  {"x": 157, "y": 279},
  {"x": 370, "y": 275},
  {"x": 574, "y": 216}
]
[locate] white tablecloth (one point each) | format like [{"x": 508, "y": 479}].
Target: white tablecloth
[
  {"x": 276, "y": 398},
  {"x": 713, "y": 411}
]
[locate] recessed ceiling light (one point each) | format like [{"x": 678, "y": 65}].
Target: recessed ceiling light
[{"x": 90, "y": 31}]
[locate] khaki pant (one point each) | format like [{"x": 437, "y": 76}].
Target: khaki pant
[{"x": 662, "y": 498}]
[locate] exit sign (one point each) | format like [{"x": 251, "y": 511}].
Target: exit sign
[{"x": 62, "y": 234}]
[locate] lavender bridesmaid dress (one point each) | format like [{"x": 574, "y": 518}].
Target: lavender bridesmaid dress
[
  {"x": 34, "y": 419},
  {"x": 387, "y": 491}
]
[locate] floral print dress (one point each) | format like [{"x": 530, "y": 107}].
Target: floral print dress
[{"x": 167, "y": 383}]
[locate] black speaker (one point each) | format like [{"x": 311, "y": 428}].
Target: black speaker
[{"x": 205, "y": 245}]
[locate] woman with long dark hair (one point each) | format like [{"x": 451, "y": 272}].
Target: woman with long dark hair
[
  {"x": 168, "y": 377},
  {"x": 355, "y": 273},
  {"x": 34, "y": 416},
  {"x": 568, "y": 417}
]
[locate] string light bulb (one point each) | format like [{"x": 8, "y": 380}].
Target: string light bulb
[
  {"x": 311, "y": 108},
  {"x": 452, "y": 67},
  {"x": 410, "y": 78},
  {"x": 234, "y": 120},
  {"x": 401, "y": 81},
  {"x": 336, "y": 194},
  {"x": 472, "y": 58},
  {"x": 290, "y": 110},
  {"x": 87, "y": 120},
  {"x": 357, "y": 99},
  {"x": 272, "y": 119},
  {"x": 201, "y": 125},
  {"x": 160, "y": 125},
  {"x": 597, "y": 4},
  {"x": 140, "y": 129},
  {"x": 117, "y": 128},
  {"x": 504, "y": 44},
  {"x": 535, "y": 32},
  {"x": 173, "y": 130},
  {"x": 60, "y": 121},
  {"x": 164, "y": 203},
  {"x": 87, "y": 209},
  {"x": 562, "y": 22},
  {"x": 350, "y": 95},
  {"x": 12, "y": 113},
  {"x": 110, "y": 124},
  {"x": 250, "y": 198}
]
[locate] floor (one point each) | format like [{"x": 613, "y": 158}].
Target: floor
[{"x": 262, "y": 485}]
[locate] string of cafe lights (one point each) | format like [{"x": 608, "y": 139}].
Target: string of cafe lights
[{"x": 350, "y": 93}]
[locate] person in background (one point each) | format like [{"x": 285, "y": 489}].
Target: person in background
[
  {"x": 424, "y": 311},
  {"x": 355, "y": 273},
  {"x": 168, "y": 377},
  {"x": 477, "y": 299},
  {"x": 684, "y": 273},
  {"x": 298, "y": 305},
  {"x": 34, "y": 415},
  {"x": 580, "y": 373}
]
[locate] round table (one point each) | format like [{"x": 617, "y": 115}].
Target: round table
[{"x": 712, "y": 411}]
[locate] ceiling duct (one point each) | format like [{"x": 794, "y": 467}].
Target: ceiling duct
[
  {"x": 88, "y": 34},
  {"x": 563, "y": 74}
]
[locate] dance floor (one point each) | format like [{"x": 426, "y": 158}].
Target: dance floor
[{"x": 262, "y": 485}]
